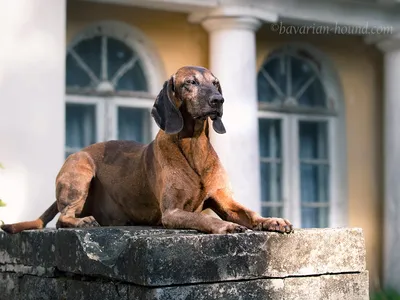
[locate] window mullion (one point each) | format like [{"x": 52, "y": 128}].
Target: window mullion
[
  {"x": 111, "y": 119},
  {"x": 273, "y": 184},
  {"x": 288, "y": 76},
  {"x": 123, "y": 69},
  {"x": 84, "y": 66},
  {"x": 100, "y": 120},
  {"x": 272, "y": 82},
  {"x": 320, "y": 178},
  {"x": 104, "y": 58},
  {"x": 286, "y": 169},
  {"x": 295, "y": 181},
  {"x": 304, "y": 87},
  {"x": 336, "y": 204}
]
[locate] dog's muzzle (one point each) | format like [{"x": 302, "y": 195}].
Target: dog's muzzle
[
  {"x": 216, "y": 101},
  {"x": 215, "y": 115}
]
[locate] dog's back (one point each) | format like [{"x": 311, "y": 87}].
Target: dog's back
[{"x": 120, "y": 184}]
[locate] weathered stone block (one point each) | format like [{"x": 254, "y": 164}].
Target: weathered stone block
[
  {"x": 22, "y": 249},
  {"x": 163, "y": 257},
  {"x": 331, "y": 287},
  {"x": 143, "y": 263},
  {"x": 9, "y": 286},
  {"x": 352, "y": 287}
]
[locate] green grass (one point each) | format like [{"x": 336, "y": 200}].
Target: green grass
[{"x": 387, "y": 294}]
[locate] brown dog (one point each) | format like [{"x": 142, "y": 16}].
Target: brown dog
[{"x": 167, "y": 182}]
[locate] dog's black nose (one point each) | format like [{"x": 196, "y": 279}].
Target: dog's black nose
[{"x": 216, "y": 100}]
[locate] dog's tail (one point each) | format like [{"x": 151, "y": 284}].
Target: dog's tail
[{"x": 40, "y": 223}]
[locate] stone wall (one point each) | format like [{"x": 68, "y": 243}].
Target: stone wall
[{"x": 152, "y": 263}]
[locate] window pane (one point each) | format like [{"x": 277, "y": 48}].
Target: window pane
[
  {"x": 313, "y": 217},
  {"x": 313, "y": 140},
  {"x": 271, "y": 182},
  {"x": 314, "y": 182},
  {"x": 301, "y": 72},
  {"x": 275, "y": 212},
  {"x": 118, "y": 53},
  {"x": 89, "y": 51},
  {"x": 266, "y": 93},
  {"x": 314, "y": 95},
  {"x": 80, "y": 126},
  {"x": 276, "y": 68},
  {"x": 270, "y": 138},
  {"x": 133, "y": 124},
  {"x": 76, "y": 76},
  {"x": 270, "y": 161},
  {"x": 292, "y": 81},
  {"x": 133, "y": 80},
  {"x": 314, "y": 172}
]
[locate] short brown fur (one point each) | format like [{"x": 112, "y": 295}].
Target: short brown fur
[{"x": 168, "y": 182}]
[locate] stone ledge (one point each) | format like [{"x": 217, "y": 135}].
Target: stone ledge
[
  {"x": 155, "y": 263},
  {"x": 169, "y": 257}
]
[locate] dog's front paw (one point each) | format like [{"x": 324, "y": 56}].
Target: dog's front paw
[
  {"x": 273, "y": 224},
  {"x": 86, "y": 222},
  {"x": 229, "y": 227}
]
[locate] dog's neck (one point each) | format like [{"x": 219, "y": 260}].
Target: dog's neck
[
  {"x": 195, "y": 147},
  {"x": 193, "y": 142},
  {"x": 192, "y": 128}
]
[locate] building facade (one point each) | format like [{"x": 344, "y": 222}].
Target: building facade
[{"x": 310, "y": 89}]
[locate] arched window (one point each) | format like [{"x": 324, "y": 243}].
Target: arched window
[
  {"x": 298, "y": 124},
  {"x": 109, "y": 93}
]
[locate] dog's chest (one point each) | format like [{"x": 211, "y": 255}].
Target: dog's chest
[{"x": 189, "y": 189}]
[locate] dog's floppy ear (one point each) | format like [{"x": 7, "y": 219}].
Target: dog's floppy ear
[
  {"x": 217, "y": 124},
  {"x": 165, "y": 113}
]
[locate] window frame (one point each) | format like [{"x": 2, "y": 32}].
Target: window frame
[
  {"x": 140, "y": 103},
  {"x": 338, "y": 201},
  {"x": 106, "y": 105},
  {"x": 291, "y": 200},
  {"x": 100, "y": 113}
]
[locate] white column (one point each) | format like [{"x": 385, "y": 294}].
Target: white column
[
  {"x": 233, "y": 61},
  {"x": 32, "y": 72},
  {"x": 391, "y": 228}
]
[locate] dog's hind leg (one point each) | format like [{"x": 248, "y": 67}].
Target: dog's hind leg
[{"x": 72, "y": 188}]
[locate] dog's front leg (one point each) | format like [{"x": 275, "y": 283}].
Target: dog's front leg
[
  {"x": 228, "y": 209},
  {"x": 181, "y": 219}
]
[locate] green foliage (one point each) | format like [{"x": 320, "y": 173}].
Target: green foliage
[{"x": 386, "y": 294}]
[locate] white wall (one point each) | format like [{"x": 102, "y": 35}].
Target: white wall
[{"x": 32, "y": 70}]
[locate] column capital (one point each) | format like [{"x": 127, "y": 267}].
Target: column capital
[
  {"x": 385, "y": 43},
  {"x": 231, "y": 22},
  {"x": 232, "y": 16}
]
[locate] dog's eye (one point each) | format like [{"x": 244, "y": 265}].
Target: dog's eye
[
  {"x": 216, "y": 83},
  {"x": 191, "y": 81}
]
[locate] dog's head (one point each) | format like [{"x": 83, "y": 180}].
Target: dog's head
[{"x": 194, "y": 90}]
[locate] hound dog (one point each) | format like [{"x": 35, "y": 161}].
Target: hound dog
[{"x": 168, "y": 182}]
